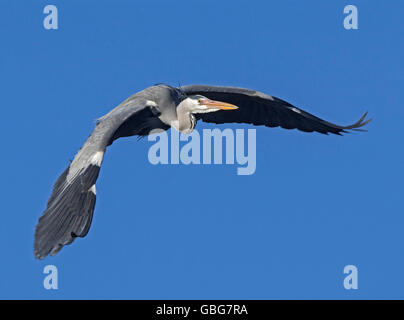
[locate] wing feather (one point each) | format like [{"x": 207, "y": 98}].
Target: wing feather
[
  {"x": 261, "y": 109},
  {"x": 70, "y": 208}
]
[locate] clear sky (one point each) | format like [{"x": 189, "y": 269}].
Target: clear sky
[{"x": 315, "y": 204}]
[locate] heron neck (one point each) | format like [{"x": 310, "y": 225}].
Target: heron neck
[{"x": 185, "y": 124}]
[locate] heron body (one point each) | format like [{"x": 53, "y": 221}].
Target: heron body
[{"x": 70, "y": 208}]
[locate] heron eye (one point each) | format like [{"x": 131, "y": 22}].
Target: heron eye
[{"x": 199, "y": 101}]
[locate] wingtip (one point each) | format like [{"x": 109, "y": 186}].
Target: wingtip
[
  {"x": 360, "y": 123},
  {"x": 38, "y": 255}
]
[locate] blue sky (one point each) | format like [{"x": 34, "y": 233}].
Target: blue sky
[{"x": 315, "y": 204}]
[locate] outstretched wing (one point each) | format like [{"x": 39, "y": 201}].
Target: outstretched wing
[
  {"x": 71, "y": 205},
  {"x": 261, "y": 109}
]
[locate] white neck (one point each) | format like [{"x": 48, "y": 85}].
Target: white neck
[{"x": 183, "y": 122}]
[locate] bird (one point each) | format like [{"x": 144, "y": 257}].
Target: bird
[{"x": 69, "y": 211}]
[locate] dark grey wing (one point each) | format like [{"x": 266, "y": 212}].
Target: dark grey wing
[
  {"x": 70, "y": 207},
  {"x": 261, "y": 109}
]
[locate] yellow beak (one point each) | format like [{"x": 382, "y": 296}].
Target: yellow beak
[{"x": 212, "y": 104}]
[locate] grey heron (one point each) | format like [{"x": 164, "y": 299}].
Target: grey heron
[{"x": 70, "y": 208}]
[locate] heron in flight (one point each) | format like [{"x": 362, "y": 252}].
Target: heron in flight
[{"x": 70, "y": 208}]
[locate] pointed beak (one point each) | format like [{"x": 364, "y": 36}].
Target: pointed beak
[{"x": 212, "y": 104}]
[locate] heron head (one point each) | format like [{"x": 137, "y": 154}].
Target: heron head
[{"x": 201, "y": 104}]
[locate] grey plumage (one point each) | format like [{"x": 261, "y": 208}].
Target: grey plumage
[{"x": 70, "y": 208}]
